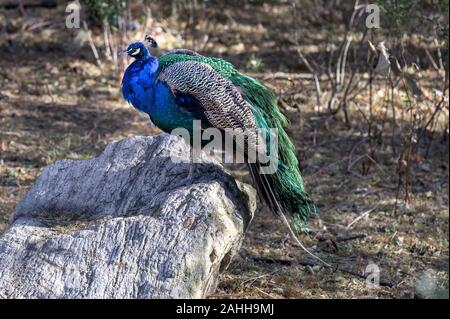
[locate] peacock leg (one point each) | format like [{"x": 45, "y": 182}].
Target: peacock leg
[{"x": 190, "y": 176}]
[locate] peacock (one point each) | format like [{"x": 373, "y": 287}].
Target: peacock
[{"x": 182, "y": 86}]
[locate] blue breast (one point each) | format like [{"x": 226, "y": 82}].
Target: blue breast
[
  {"x": 141, "y": 88},
  {"x": 137, "y": 85}
]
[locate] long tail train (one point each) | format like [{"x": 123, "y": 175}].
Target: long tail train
[{"x": 264, "y": 185}]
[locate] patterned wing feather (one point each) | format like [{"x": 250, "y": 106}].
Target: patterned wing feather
[{"x": 222, "y": 103}]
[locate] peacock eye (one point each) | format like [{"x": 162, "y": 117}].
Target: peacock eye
[{"x": 136, "y": 52}]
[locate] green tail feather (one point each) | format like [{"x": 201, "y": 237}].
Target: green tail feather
[{"x": 287, "y": 181}]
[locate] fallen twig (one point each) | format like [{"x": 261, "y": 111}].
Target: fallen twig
[
  {"x": 383, "y": 281},
  {"x": 352, "y": 237},
  {"x": 366, "y": 213},
  {"x": 250, "y": 281}
]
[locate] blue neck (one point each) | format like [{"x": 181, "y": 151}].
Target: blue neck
[
  {"x": 138, "y": 81},
  {"x": 148, "y": 61},
  {"x": 151, "y": 64},
  {"x": 145, "y": 56}
]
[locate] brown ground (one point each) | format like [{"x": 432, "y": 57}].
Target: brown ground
[{"x": 55, "y": 103}]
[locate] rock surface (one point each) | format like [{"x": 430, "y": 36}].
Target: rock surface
[{"x": 126, "y": 224}]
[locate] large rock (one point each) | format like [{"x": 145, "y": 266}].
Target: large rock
[{"x": 126, "y": 224}]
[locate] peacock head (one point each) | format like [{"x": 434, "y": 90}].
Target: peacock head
[{"x": 137, "y": 50}]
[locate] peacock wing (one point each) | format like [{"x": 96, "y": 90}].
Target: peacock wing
[{"x": 219, "y": 101}]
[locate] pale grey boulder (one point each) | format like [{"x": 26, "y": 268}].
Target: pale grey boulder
[{"x": 126, "y": 224}]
